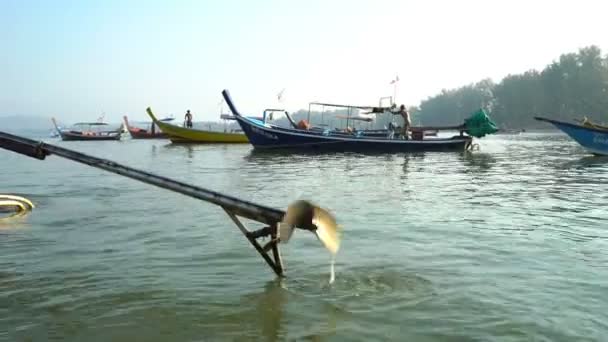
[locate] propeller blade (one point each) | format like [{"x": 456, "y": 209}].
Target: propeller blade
[
  {"x": 328, "y": 230},
  {"x": 304, "y": 214}
]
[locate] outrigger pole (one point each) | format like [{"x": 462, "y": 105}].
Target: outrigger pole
[{"x": 234, "y": 207}]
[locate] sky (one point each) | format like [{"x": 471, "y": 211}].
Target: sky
[{"x": 78, "y": 59}]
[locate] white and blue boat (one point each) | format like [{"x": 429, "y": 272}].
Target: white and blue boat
[
  {"x": 263, "y": 135},
  {"x": 594, "y": 138}
]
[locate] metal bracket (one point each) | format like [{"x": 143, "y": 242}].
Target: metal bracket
[{"x": 275, "y": 262}]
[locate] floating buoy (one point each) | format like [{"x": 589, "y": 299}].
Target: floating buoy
[{"x": 11, "y": 206}]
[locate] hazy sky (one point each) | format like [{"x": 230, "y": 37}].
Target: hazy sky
[{"x": 75, "y": 59}]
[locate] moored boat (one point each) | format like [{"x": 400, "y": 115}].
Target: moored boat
[
  {"x": 88, "y": 131},
  {"x": 263, "y": 135},
  {"x": 190, "y": 135},
  {"x": 139, "y": 133},
  {"x": 592, "y": 137}
]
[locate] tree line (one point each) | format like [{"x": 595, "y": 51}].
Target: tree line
[{"x": 571, "y": 87}]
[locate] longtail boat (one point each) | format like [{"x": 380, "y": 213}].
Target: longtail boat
[
  {"x": 179, "y": 134},
  {"x": 278, "y": 225},
  {"x": 88, "y": 131},
  {"x": 263, "y": 135},
  {"x": 592, "y": 137},
  {"x": 139, "y": 133}
]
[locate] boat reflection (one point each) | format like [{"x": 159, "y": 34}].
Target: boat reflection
[
  {"x": 587, "y": 162},
  {"x": 189, "y": 148},
  {"x": 273, "y": 313},
  {"x": 478, "y": 161}
]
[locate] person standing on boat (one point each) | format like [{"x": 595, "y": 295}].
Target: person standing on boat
[
  {"x": 188, "y": 118},
  {"x": 407, "y": 121}
]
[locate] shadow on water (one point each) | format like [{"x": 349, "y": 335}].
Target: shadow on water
[
  {"x": 189, "y": 148},
  {"x": 479, "y": 161},
  {"x": 307, "y": 307},
  {"x": 274, "y": 156},
  {"x": 9, "y": 221},
  {"x": 408, "y": 160},
  {"x": 265, "y": 158},
  {"x": 587, "y": 162},
  {"x": 315, "y": 152}
]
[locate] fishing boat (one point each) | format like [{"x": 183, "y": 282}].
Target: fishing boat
[
  {"x": 153, "y": 132},
  {"x": 263, "y": 135},
  {"x": 179, "y": 134},
  {"x": 88, "y": 131},
  {"x": 593, "y": 137}
]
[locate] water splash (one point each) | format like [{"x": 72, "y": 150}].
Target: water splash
[{"x": 332, "y": 274}]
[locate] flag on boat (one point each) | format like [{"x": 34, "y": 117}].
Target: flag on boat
[{"x": 395, "y": 80}]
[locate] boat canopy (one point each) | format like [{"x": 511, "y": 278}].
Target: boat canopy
[
  {"x": 356, "y": 118},
  {"x": 373, "y": 109},
  {"x": 90, "y": 124}
]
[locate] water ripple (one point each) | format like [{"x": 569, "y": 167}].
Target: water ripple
[{"x": 504, "y": 244}]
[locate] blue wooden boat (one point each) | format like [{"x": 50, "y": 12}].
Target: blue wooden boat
[
  {"x": 592, "y": 137},
  {"x": 263, "y": 135}
]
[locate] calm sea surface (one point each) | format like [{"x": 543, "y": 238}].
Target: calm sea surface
[{"x": 509, "y": 243}]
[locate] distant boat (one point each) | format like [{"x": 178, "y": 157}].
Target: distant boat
[
  {"x": 263, "y": 135},
  {"x": 593, "y": 137},
  {"x": 190, "y": 135},
  {"x": 88, "y": 131},
  {"x": 139, "y": 133}
]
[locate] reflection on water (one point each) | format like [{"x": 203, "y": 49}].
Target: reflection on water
[
  {"x": 15, "y": 220},
  {"x": 588, "y": 162},
  {"x": 436, "y": 246},
  {"x": 189, "y": 148},
  {"x": 480, "y": 161}
]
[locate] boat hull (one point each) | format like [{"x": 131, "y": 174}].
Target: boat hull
[
  {"x": 141, "y": 134},
  {"x": 593, "y": 140},
  {"x": 188, "y": 135},
  {"x": 271, "y": 138},
  {"x": 72, "y": 136}
]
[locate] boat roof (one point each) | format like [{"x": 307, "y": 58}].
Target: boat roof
[
  {"x": 227, "y": 117},
  {"x": 359, "y": 118},
  {"x": 373, "y": 108},
  {"x": 90, "y": 124}
]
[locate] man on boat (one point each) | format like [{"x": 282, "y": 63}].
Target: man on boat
[
  {"x": 407, "y": 121},
  {"x": 188, "y": 118}
]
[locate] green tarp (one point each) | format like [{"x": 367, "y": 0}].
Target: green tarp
[{"x": 479, "y": 124}]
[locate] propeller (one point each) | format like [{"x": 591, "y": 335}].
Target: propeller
[{"x": 306, "y": 215}]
